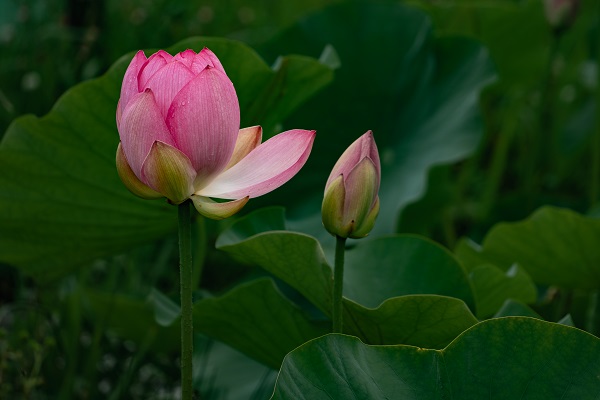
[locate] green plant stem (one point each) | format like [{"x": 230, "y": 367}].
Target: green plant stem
[
  {"x": 541, "y": 151},
  {"x": 593, "y": 313},
  {"x": 548, "y": 141},
  {"x": 497, "y": 169},
  {"x": 185, "y": 276},
  {"x": 595, "y": 175},
  {"x": 338, "y": 284}
]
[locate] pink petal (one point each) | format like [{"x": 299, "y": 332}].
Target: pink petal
[
  {"x": 362, "y": 147},
  {"x": 130, "y": 84},
  {"x": 141, "y": 125},
  {"x": 186, "y": 57},
  {"x": 204, "y": 119},
  {"x": 248, "y": 139},
  {"x": 267, "y": 167},
  {"x": 206, "y": 58},
  {"x": 154, "y": 63},
  {"x": 167, "y": 82}
]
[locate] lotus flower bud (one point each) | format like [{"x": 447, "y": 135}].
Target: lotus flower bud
[
  {"x": 561, "y": 13},
  {"x": 178, "y": 118},
  {"x": 351, "y": 200}
]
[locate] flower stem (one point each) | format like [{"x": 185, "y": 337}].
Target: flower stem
[
  {"x": 338, "y": 284},
  {"x": 593, "y": 313},
  {"x": 541, "y": 152},
  {"x": 185, "y": 276},
  {"x": 595, "y": 175}
]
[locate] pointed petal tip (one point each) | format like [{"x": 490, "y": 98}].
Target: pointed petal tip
[
  {"x": 362, "y": 147},
  {"x": 217, "y": 211},
  {"x": 248, "y": 139}
]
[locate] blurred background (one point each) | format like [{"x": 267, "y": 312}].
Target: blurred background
[{"x": 540, "y": 145}]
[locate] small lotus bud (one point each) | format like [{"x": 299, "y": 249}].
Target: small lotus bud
[{"x": 351, "y": 201}]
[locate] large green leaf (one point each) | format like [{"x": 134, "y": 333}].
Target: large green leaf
[
  {"x": 384, "y": 308},
  {"x": 256, "y": 319},
  {"x": 406, "y": 264},
  {"x": 469, "y": 254},
  {"x": 61, "y": 202},
  {"x": 493, "y": 287},
  {"x": 555, "y": 246},
  {"x": 514, "y": 308},
  {"x": 420, "y": 320},
  {"x": 418, "y": 94},
  {"x": 507, "y": 358},
  {"x": 295, "y": 258}
]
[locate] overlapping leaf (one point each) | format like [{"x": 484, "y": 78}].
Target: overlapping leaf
[
  {"x": 493, "y": 287},
  {"x": 555, "y": 246},
  {"x": 507, "y": 358},
  {"x": 256, "y": 319},
  {"x": 399, "y": 313}
]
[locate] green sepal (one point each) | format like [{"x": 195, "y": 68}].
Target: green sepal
[
  {"x": 367, "y": 223},
  {"x": 170, "y": 172},
  {"x": 131, "y": 181},
  {"x": 214, "y": 210},
  {"x": 332, "y": 209}
]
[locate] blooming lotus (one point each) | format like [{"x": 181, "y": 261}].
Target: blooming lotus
[
  {"x": 351, "y": 200},
  {"x": 178, "y": 118}
]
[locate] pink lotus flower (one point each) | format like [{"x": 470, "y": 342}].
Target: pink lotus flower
[
  {"x": 351, "y": 200},
  {"x": 179, "y": 122}
]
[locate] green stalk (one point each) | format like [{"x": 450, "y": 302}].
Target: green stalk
[
  {"x": 542, "y": 150},
  {"x": 338, "y": 284},
  {"x": 595, "y": 175},
  {"x": 592, "y": 313},
  {"x": 498, "y": 166},
  {"x": 185, "y": 276},
  {"x": 548, "y": 141}
]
